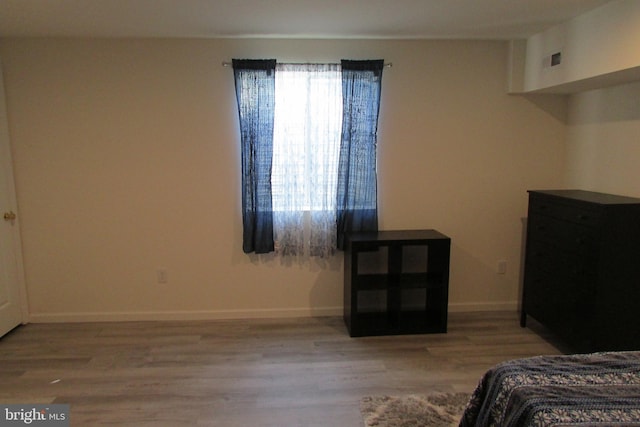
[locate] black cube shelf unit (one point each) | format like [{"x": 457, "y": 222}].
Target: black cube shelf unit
[{"x": 396, "y": 282}]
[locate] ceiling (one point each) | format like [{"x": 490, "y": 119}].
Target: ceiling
[{"x": 431, "y": 19}]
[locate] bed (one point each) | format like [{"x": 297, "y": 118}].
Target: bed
[{"x": 597, "y": 389}]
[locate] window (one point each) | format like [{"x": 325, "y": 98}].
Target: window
[
  {"x": 306, "y": 148},
  {"x": 308, "y": 136}
]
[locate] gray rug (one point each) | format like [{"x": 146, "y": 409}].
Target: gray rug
[{"x": 433, "y": 410}]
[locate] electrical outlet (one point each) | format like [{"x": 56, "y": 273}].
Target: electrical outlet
[{"x": 162, "y": 275}]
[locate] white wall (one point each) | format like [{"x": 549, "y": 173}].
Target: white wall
[
  {"x": 601, "y": 70},
  {"x": 603, "y": 150},
  {"x": 598, "y": 48},
  {"x": 127, "y": 160}
]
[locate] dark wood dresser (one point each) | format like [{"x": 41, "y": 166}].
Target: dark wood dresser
[{"x": 582, "y": 268}]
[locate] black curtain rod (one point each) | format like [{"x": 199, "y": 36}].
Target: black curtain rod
[{"x": 386, "y": 64}]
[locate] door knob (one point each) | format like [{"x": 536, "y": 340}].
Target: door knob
[{"x": 9, "y": 216}]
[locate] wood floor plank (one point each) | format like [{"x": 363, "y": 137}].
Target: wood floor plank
[{"x": 271, "y": 372}]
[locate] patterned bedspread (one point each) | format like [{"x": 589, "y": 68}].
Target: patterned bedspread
[{"x": 599, "y": 389}]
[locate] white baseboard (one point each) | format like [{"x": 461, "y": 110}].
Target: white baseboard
[
  {"x": 236, "y": 314},
  {"x": 469, "y": 307},
  {"x": 183, "y": 315}
]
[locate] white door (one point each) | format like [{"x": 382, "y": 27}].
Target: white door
[{"x": 11, "y": 275}]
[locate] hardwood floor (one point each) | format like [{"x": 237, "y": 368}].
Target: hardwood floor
[{"x": 284, "y": 372}]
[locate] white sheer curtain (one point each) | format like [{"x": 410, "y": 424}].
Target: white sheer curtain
[{"x": 307, "y": 129}]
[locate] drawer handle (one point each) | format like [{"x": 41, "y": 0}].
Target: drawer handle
[
  {"x": 581, "y": 240},
  {"x": 583, "y": 217}
]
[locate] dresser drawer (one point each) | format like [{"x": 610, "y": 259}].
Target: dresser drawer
[
  {"x": 566, "y": 235},
  {"x": 562, "y": 294},
  {"x": 575, "y": 213},
  {"x": 570, "y": 266},
  {"x": 565, "y": 306}
]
